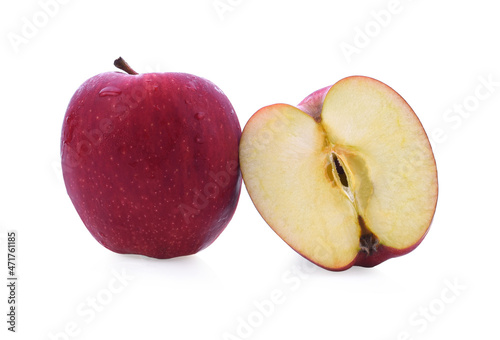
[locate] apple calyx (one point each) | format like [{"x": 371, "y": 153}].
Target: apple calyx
[
  {"x": 124, "y": 66},
  {"x": 368, "y": 242}
]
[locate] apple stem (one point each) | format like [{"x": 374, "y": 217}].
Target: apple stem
[{"x": 123, "y": 65}]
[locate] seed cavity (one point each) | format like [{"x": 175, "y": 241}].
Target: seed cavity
[
  {"x": 341, "y": 172},
  {"x": 338, "y": 175}
]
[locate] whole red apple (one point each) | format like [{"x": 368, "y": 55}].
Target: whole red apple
[{"x": 150, "y": 161}]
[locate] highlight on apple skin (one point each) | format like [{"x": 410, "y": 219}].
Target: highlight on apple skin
[
  {"x": 348, "y": 177},
  {"x": 150, "y": 161}
]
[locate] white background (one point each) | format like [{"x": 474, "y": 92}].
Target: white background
[{"x": 436, "y": 55}]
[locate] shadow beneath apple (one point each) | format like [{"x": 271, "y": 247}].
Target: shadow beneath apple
[
  {"x": 307, "y": 269},
  {"x": 186, "y": 272}
]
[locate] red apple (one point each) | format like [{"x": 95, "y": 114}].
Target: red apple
[
  {"x": 150, "y": 161},
  {"x": 347, "y": 178}
]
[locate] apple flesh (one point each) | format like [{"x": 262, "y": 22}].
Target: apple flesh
[
  {"x": 347, "y": 178},
  {"x": 150, "y": 161}
]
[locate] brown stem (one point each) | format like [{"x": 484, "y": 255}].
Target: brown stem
[{"x": 122, "y": 65}]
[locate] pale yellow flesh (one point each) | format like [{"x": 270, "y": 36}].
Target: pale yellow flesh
[
  {"x": 284, "y": 156},
  {"x": 284, "y": 165}
]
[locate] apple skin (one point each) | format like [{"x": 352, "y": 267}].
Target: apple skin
[
  {"x": 150, "y": 161},
  {"x": 382, "y": 254},
  {"x": 312, "y": 105}
]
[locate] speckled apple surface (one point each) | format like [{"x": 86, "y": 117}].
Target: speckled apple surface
[{"x": 150, "y": 161}]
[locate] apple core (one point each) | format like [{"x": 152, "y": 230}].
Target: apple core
[{"x": 346, "y": 178}]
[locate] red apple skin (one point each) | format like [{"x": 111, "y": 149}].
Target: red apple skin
[
  {"x": 313, "y": 103},
  {"x": 362, "y": 259},
  {"x": 382, "y": 254},
  {"x": 150, "y": 161}
]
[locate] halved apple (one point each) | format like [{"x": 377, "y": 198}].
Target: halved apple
[{"x": 347, "y": 178}]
